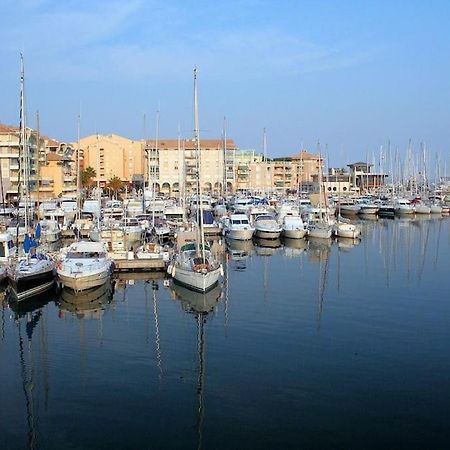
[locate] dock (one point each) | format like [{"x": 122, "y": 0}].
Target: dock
[{"x": 139, "y": 265}]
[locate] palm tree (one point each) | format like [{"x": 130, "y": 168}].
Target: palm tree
[
  {"x": 115, "y": 184},
  {"x": 87, "y": 176}
]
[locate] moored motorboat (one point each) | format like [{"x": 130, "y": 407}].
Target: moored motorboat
[
  {"x": 266, "y": 227},
  {"x": 84, "y": 266},
  {"x": 238, "y": 227},
  {"x": 293, "y": 227}
]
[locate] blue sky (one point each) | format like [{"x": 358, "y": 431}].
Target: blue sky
[{"x": 350, "y": 73}]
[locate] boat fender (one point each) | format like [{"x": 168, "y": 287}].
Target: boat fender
[
  {"x": 221, "y": 271},
  {"x": 173, "y": 271}
]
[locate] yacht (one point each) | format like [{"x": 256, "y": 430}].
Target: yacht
[
  {"x": 403, "y": 206},
  {"x": 266, "y": 227},
  {"x": 85, "y": 265},
  {"x": 238, "y": 227},
  {"x": 293, "y": 227}
]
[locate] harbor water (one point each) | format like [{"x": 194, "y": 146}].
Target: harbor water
[{"x": 305, "y": 344}]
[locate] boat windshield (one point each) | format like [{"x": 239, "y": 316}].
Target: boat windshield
[{"x": 85, "y": 255}]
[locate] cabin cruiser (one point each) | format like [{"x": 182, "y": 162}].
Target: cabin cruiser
[
  {"x": 84, "y": 265},
  {"x": 174, "y": 214},
  {"x": 238, "y": 227},
  {"x": 113, "y": 209},
  {"x": 367, "y": 207},
  {"x": 403, "y": 206},
  {"x": 293, "y": 227},
  {"x": 161, "y": 230},
  {"x": 266, "y": 227},
  {"x": 348, "y": 207}
]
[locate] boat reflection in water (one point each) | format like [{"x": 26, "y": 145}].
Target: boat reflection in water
[
  {"x": 266, "y": 247},
  {"x": 87, "y": 304},
  {"x": 238, "y": 252},
  {"x": 237, "y": 246},
  {"x": 294, "y": 247},
  {"x": 200, "y": 305},
  {"x": 319, "y": 249},
  {"x": 347, "y": 243},
  {"x": 196, "y": 302}
]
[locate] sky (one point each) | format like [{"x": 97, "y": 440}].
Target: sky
[{"x": 342, "y": 77}]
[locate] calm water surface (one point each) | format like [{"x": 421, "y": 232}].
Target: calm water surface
[{"x": 336, "y": 344}]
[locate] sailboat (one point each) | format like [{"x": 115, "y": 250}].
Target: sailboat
[
  {"x": 194, "y": 265},
  {"x": 34, "y": 273},
  {"x": 318, "y": 225}
]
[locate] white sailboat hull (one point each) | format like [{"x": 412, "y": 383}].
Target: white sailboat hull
[
  {"x": 294, "y": 234},
  {"x": 321, "y": 232},
  {"x": 197, "y": 281}
]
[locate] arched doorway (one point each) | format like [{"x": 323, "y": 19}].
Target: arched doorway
[{"x": 165, "y": 188}]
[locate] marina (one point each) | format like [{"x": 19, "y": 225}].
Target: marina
[
  {"x": 324, "y": 341},
  {"x": 260, "y": 262}
]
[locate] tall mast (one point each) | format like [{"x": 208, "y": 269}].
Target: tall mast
[
  {"x": 197, "y": 154},
  {"x": 153, "y": 170},
  {"x": 78, "y": 167},
  {"x": 180, "y": 165},
  {"x": 23, "y": 145},
  {"x": 98, "y": 183},
  {"x": 38, "y": 139},
  {"x": 224, "y": 183}
]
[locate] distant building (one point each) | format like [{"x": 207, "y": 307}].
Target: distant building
[
  {"x": 171, "y": 162},
  {"x": 363, "y": 179},
  {"x": 112, "y": 155}
]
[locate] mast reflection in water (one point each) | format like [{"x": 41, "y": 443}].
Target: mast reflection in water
[
  {"x": 200, "y": 305},
  {"x": 309, "y": 343}
]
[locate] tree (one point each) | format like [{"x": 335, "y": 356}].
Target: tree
[
  {"x": 86, "y": 177},
  {"x": 115, "y": 184}
]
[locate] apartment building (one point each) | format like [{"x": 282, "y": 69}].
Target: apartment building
[
  {"x": 172, "y": 165},
  {"x": 11, "y": 171},
  {"x": 112, "y": 155},
  {"x": 50, "y": 165}
]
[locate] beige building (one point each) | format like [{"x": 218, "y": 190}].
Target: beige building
[
  {"x": 112, "y": 155},
  {"x": 170, "y": 163},
  {"x": 280, "y": 174},
  {"x": 50, "y": 165}
]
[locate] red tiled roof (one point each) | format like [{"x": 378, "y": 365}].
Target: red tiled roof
[
  {"x": 54, "y": 157},
  {"x": 8, "y": 128},
  {"x": 51, "y": 142},
  {"x": 303, "y": 154}
]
